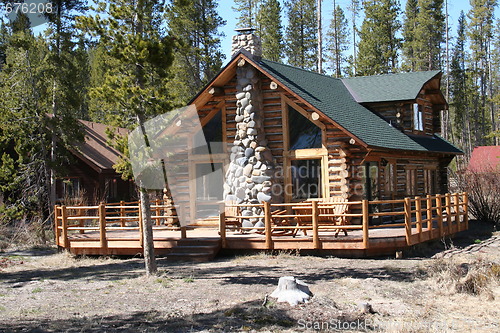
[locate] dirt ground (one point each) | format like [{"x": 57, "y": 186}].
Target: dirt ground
[{"x": 45, "y": 291}]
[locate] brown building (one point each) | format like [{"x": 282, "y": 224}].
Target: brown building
[{"x": 91, "y": 176}]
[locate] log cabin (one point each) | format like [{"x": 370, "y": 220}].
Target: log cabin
[
  {"x": 290, "y": 134},
  {"x": 89, "y": 177}
]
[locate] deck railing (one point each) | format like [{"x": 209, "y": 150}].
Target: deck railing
[
  {"x": 423, "y": 218},
  {"x": 106, "y": 217}
]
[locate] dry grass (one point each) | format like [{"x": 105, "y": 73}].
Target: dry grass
[{"x": 477, "y": 277}]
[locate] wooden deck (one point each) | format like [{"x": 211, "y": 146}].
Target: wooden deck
[{"x": 116, "y": 230}]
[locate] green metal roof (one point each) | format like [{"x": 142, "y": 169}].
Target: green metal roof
[
  {"x": 330, "y": 96},
  {"x": 387, "y": 87}
]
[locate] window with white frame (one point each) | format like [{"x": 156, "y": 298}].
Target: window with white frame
[{"x": 418, "y": 117}]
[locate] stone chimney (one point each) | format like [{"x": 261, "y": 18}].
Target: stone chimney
[{"x": 246, "y": 39}]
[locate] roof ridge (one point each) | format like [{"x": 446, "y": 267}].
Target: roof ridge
[
  {"x": 389, "y": 74},
  {"x": 301, "y": 69}
]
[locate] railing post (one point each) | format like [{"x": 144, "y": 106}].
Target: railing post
[
  {"x": 315, "y": 226},
  {"x": 222, "y": 224},
  {"x": 429, "y": 215},
  {"x": 122, "y": 213},
  {"x": 64, "y": 216},
  {"x": 267, "y": 225},
  {"x": 183, "y": 227},
  {"x": 418, "y": 214},
  {"x": 56, "y": 224},
  {"x": 366, "y": 220},
  {"x": 466, "y": 209},
  {"x": 439, "y": 208},
  {"x": 457, "y": 210},
  {"x": 102, "y": 226},
  {"x": 408, "y": 220},
  {"x": 447, "y": 200}
]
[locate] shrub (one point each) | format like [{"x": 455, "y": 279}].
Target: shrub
[{"x": 484, "y": 193}]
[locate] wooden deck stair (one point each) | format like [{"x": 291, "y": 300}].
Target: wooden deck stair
[{"x": 195, "y": 249}]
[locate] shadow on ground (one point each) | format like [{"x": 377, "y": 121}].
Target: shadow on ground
[
  {"x": 245, "y": 316},
  {"x": 478, "y": 231}
]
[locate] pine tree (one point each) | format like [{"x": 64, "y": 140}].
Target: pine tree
[
  {"x": 301, "y": 39},
  {"x": 197, "y": 53},
  {"x": 429, "y": 35},
  {"x": 480, "y": 34},
  {"x": 409, "y": 28},
  {"x": 354, "y": 7},
  {"x": 337, "y": 42},
  {"x": 271, "y": 30},
  {"x": 378, "y": 45},
  {"x": 247, "y": 10},
  {"x": 131, "y": 31},
  {"x": 459, "y": 87},
  {"x": 495, "y": 83},
  {"x": 4, "y": 36}
]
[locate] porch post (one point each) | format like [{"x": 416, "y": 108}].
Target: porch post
[
  {"x": 222, "y": 224},
  {"x": 267, "y": 225},
  {"x": 408, "y": 220},
  {"x": 429, "y": 215},
  {"x": 315, "y": 227},
  {"x": 102, "y": 226},
  {"x": 439, "y": 207},
  {"x": 366, "y": 220},
  {"x": 418, "y": 214}
]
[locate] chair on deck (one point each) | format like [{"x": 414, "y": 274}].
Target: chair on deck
[
  {"x": 304, "y": 218},
  {"x": 230, "y": 212}
]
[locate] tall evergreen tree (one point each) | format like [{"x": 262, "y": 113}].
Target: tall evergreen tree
[
  {"x": 247, "y": 10},
  {"x": 301, "y": 39},
  {"x": 271, "y": 30},
  {"x": 480, "y": 33},
  {"x": 459, "y": 88},
  {"x": 378, "y": 45},
  {"x": 197, "y": 53},
  {"x": 355, "y": 8},
  {"x": 131, "y": 32},
  {"x": 409, "y": 28},
  {"x": 429, "y": 35},
  {"x": 337, "y": 42}
]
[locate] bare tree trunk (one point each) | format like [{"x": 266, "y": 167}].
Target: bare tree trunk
[
  {"x": 320, "y": 39},
  {"x": 147, "y": 232}
]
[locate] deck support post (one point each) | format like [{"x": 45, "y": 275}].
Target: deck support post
[
  {"x": 466, "y": 209},
  {"x": 56, "y": 224},
  {"x": 408, "y": 220},
  {"x": 102, "y": 226},
  {"x": 267, "y": 225},
  {"x": 366, "y": 221},
  {"x": 429, "y": 215},
  {"x": 418, "y": 214},
  {"x": 315, "y": 225},
  {"x": 122, "y": 214},
  {"x": 439, "y": 207},
  {"x": 457, "y": 211},
  {"x": 222, "y": 224},
  {"x": 449, "y": 217},
  {"x": 64, "y": 215}
]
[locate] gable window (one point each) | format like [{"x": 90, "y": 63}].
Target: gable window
[
  {"x": 212, "y": 133},
  {"x": 418, "y": 117},
  {"x": 306, "y": 179},
  {"x": 302, "y": 133}
]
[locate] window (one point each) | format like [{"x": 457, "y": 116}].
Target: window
[
  {"x": 370, "y": 180},
  {"x": 302, "y": 133},
  {"x": 389, "y": 178},
  {"x": 111, "y": 188},
  {"x": 306, "y": 179},
  {"x": 68, "y": 188},
  {"x": 209, "y": 181},
  {"x": 212, "y": 133},
  {"x": 411, "y": 181},
  {"x": 418, "y": 117}
]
